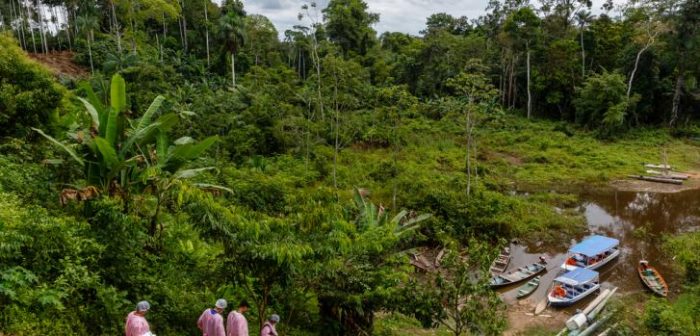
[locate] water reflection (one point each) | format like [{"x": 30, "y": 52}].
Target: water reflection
[{"x": 638, "y": 220}]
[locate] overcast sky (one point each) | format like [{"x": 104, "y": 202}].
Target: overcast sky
[{"x": 406, "y": 16}]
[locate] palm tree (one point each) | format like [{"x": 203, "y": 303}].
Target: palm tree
[
  {"x": 89, "y": 24},
  {"x": 583, "y": 18},
  {"x": 232, "y": 31}
]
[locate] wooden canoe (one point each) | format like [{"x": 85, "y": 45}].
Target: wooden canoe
[
  {"x": 520, "y": 274},
  {"x": 671, "y": 175},
  {"x": 656, "y": 179},
  {"x": 501, "y": 263},
  {"x": 529, "y": 287},
  {"x": 652, "y": 279}
]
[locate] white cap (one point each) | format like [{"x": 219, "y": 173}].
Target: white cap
[
  {"x": 143, "y": 306},
  {"x": 221, "y": 303}
]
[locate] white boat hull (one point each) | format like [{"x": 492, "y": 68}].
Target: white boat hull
[
  {"x": 559, "y": 301},
  {"x": 597, "y": 265}
]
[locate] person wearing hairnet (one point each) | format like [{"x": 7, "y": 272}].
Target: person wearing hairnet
[
  {"x": 211, "y": 322},
  {"x": 136, "y": 324},
  {"x": 268, "y": 328},
  {"x": 236, "y": 324}
]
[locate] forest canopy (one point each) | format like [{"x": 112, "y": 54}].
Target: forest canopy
[{"x": 202, "y": 153}]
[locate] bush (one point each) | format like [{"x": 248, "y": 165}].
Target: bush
[{"x": 29, "y": 96}]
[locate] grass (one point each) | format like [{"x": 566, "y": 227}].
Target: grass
[{"x": 396, "y": 324}]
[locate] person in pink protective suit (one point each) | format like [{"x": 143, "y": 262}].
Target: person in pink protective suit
[
  {"x": 236, "y": 324},
  {"x": 136, "y": 324},
  {"x": 211, "y": 322},
  {"x": 268, "y": 328}
]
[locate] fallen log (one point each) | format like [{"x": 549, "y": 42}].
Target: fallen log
[{"x": 656, "y": 179}]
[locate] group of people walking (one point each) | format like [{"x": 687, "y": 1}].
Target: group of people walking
[{"x": 211, "y": 322}]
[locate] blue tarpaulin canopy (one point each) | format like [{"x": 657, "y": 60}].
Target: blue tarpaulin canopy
[
  {"x": 594, "y": 245},
  {"x": 577, "y": 276}
]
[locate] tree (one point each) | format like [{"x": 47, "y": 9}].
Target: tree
[
  {"x": 262, "y": 38},
  {"x": 232, "y": 31},
  {"x": 89, "y": 24},
  {"x": 646, "y": 35},
  {"x": 464, "y": 302},
  {"x": 583, "y": 18},
  {"x": 476, "y": 93},
  {"x": 349, "y": 25},
  {"x": 523, "y": 27},
  {"x": 602, "y": 102}
]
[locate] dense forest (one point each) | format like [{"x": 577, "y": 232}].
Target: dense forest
[{"x": 196, "y": 152}]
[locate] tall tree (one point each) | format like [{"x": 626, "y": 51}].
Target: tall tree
[
  {"x": 232, "y": 31},
  {"x": 523, "y": 26},
  {"x": 88, "y": 24},
  {"x": 583, "y": 18},
  {"x": 349, "y": 24}
]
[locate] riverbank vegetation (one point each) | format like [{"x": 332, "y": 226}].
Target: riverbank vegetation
[{"x": 209, "y": 155}]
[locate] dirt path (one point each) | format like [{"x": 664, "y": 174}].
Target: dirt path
[
  {"x": 521, "y": 319},
  {"x": 61, "y": 63}
]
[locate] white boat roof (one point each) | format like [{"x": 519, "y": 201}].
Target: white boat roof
[
  {"x": 577, "y": 277},
  {"x": 594, "y": 245}
]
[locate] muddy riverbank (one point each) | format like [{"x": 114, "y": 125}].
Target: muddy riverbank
[{"x": 639, "y": 220}]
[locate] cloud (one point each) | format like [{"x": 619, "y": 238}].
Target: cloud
[{"x": 407, "y": 16}]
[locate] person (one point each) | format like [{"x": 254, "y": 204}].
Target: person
[
  {"x": 236, "y": 324},
  {"x": 268, "y": 328},
  {"x": 136, "y": 324},
  {"x": 210, "y": 322}
]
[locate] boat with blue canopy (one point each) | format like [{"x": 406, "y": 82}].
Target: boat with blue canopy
[
  {"x": 591, "y": 253},
  {"x": 573, "y": 286}
]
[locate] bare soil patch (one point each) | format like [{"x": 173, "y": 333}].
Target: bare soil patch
[
  {"x": 521, "y": 319},
  {"x": 61, "y": 63}
]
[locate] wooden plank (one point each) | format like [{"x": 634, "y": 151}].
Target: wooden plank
[{"x": 659, "y": 166}]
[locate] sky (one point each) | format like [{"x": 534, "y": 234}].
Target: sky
[{"x": 407, "y": 16}]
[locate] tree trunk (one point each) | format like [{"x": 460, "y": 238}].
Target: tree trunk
[
  {"x": 116, "y": 28},
  {"x": 677, "y": 98},
  {"x": 636, "y": 65},
  {"x": 31, "y": 30},
  {"x": 337, "y": 133},
  {"x": 467, "y": 129},
  {"x": 233, "y": 70},
  {"x": 40, "y": 16},
  {"x": 133, "y": 26},
  {"x": 90, "y": 36},
  {"x": 583, "y": 56},
  {"x": 66, "y": 16},
  {"x": 184, "y": 26},
  {"x": 529, "y": 95},
  {"x": 206, "y": 29}
]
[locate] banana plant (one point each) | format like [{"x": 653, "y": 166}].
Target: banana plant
[
  {"x": 372, "y": 216},
  {"x": 118, "y": 151}
]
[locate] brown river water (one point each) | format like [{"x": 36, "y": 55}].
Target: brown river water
[{"x": 638, "y": 220}]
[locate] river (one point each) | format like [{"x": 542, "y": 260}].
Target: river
[{"x": 638, "y": 220}]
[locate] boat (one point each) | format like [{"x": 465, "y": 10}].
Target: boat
[
  {"x": 520, "y": 274},
  {"x": 656, "y": 179},
  {"x": 591, "y": 253},
  {"x": 671, "y": 175},
  {"x": 573, "y": 286},
  {"x": 501, "y": 263},
  {"x": 652, "y": 278},
  {"x": 529, "y": 287}
]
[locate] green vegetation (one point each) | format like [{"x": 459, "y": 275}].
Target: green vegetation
[{"x": 203, "y": 157}]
